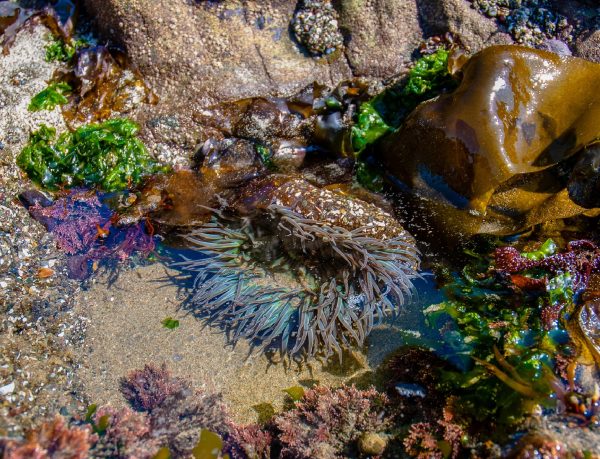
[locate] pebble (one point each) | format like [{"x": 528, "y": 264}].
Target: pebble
[{"x": 8, "y": 389}]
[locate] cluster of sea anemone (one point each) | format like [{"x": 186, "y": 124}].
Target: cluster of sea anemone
[{"x": 311, "y": 269}]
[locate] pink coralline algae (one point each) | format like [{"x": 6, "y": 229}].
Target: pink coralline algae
[
  {"x": 176, "y": 412},
  {"x": 249, "y": 441},
  {"x": 430, "y": 441},
  {"x": 127, "y": 435},
  {"x": 148, "y": 388},
  {"x": 52, "y": 440},
  {"x": 328, "y": 423},
  {"x": 82, "y": 226}
]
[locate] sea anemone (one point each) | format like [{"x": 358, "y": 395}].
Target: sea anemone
[{"x": 307, "y": 267}]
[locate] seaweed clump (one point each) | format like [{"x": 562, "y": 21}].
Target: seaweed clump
[
  {"x": 51, "y": 440},
  {"x": 176, "y": 413},
  {"x": 107, "y": 155},
  {"x": 123, "y": 434},
  {"x": 328, "y": 423},
  {"x": 60, "y": 51},
  {"x": 82, "y": 225},
  {"x": 428, "y": 77},
  {"x": 513, "y": 328},
  {"x": 47, "y": 99},
  {"x": 148, "y": 388}
]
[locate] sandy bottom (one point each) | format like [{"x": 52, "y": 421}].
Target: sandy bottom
[{"x": 125, "y": 332}]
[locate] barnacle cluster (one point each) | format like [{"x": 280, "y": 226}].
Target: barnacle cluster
[
  {"x": 530, "y": 22},
  {"x": 315, "y": 26},
  {"x": 310, "y": 268}
]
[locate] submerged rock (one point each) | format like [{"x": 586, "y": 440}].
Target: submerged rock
[{"x": 494, "y": 156}]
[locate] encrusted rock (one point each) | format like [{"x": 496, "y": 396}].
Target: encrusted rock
[
  {"x": 315, "y": 25},
  {"x": 372, "y": 444}
]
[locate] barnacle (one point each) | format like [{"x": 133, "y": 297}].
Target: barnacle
[{"x": 311, "y": 268}]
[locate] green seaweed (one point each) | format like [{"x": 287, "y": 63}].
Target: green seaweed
[
  {"x": 47, "y": 99},
  {"x": 369, "y": 127},
  {"x": 107, "y": 155},
  {"x": 59, "y": 51},
  {"x": 266, "y": 155},
  {"x": 427, "y": 78},
  {"x": 547, "y": 249},
  {"x": 163, "y": 453},
  {"x": 501, "y": 343},
  {"x": 368, "y": 177},
  {"x": 265, "y": 412},
  {"x": 170, "y": 323},
  {"x": 385, "y": 112},
  {"x": 209, "y": 446},
  {"x": 295, "y": 392},
  {"x": 102, "y": 424}
]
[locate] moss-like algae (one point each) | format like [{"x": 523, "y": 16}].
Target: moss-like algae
[
  {"x": 384, "y": 113},
  {"x": 107, "y": 155}
]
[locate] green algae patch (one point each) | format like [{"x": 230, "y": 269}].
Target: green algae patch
[
  {"x": 384, "y": 113},
  {"x": 265, "y": 412},
  {"x": 162, "y": 453},
  {"x": 505, "y": 334},
  {"x": 59, "y": 51},
  {"x": 170, "y": 323},
  {"x": 48, "y": 99},
  {"x": 546, "y": 249},
  {"x": 369, "y": 127},
  {"x": 107, "y": 155},
  {"x": 296, "y": 393},
  {"x": 209, "y": 446},
  {"x": 428, "y": 78}
]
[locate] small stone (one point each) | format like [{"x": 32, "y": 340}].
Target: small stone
[
  {"x": 44, "y": 273},
  {"x": 8, "y": 389},
  {"x": 372, "y": 444}
]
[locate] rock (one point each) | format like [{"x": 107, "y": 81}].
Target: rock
[
  {"x": 7, "y": 389},
  {"x": 584, "y": 182},
  {"x": 458, "y": 17},
  {"x": 588, "y": 47},
  {"x": 491, "y": 156},
  {"x": 381, "y": 36},
  {"x": 372, "y": 444},
  {"x": 196, "y": 54}
]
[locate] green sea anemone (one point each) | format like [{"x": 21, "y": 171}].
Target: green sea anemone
[{"x": 311, "y": 269}]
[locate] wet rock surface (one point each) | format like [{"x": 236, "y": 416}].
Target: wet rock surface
[{"x": 196, "y": 54}]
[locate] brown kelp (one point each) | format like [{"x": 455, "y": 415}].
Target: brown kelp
[
  {"x": 59, "y": 18},
  {"x": 104, "y": 86},
  {"x": 101, "y": 82},
  {"x": 312, "y": 268},
  {"x": 494, "y": 156}
]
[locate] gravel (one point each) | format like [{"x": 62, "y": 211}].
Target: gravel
[{"x": 37, "y": 325}]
